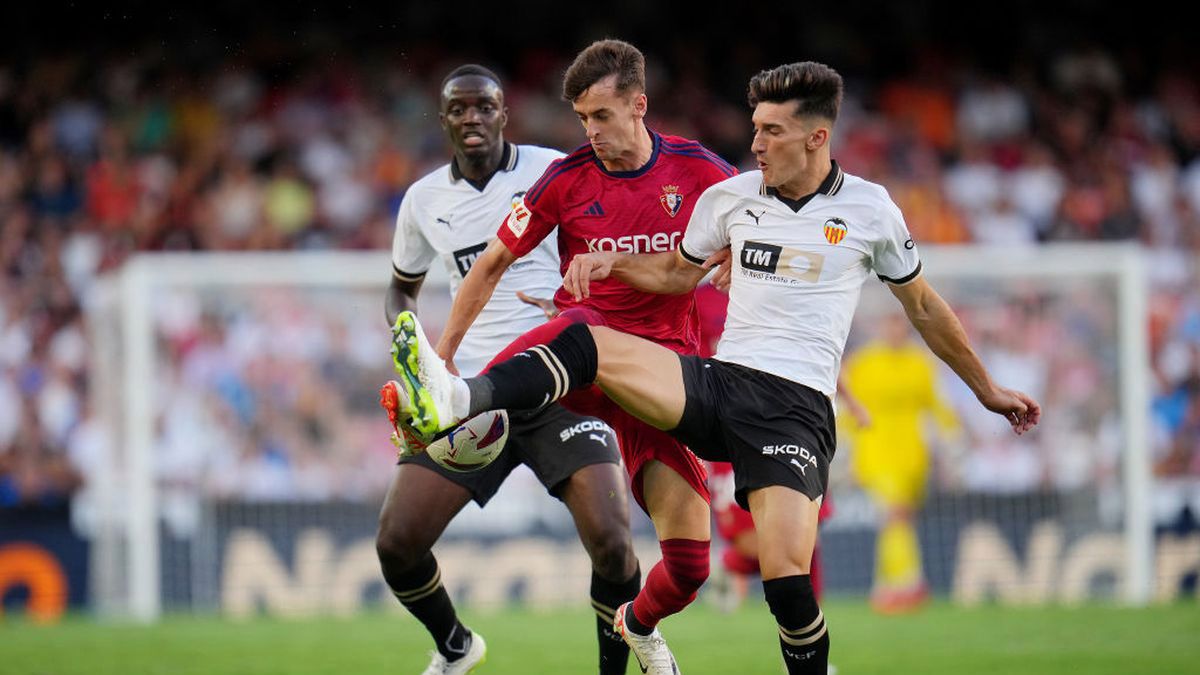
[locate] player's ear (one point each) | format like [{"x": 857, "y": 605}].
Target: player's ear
[
  {"x": 442, "y": 120},
  {"x": 503, "y": 117},
  {"x": 818, "y": 137},
  {"x": 640, "y": 105}
]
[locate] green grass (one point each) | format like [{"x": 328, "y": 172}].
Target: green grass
[{"x": 941, "y": 639}]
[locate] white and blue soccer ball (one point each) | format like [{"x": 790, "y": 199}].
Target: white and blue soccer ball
[{"x": 472, "y": 444}]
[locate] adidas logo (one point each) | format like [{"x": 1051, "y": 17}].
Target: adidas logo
[{"x": 594, "y": 210}]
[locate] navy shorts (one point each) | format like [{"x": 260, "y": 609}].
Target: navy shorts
[
  {"x": 772, "y": 430},
  {"x": 554, "y": 442}
]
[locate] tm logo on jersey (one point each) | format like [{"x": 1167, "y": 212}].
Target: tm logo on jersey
[
  {"x": 466, "y": 257},
  {"x": 780, "y": 263},
  {"x": 636, "y": 243}
]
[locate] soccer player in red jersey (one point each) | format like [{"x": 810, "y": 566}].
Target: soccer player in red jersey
[{"x": 628, "y": 189}]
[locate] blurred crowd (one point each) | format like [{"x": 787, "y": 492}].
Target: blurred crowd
[{"x": 100, "y": 159}]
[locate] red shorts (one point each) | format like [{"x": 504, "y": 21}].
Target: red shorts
[{"x": 640, "y": 442}]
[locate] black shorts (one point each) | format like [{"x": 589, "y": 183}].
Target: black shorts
[
  {"x": 774, "y": 431},
  {"x": 554, "y": 442}
]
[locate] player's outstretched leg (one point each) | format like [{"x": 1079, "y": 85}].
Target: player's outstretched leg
[
  {"x": 425, "y": 387},
  {"x": 651, "y": 651},
  {"x": 431, "y": 399}
]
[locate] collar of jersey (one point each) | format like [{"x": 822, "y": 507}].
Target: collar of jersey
[
  {"x": 508, "y": 162},
  {"x": 634, "y": 173},
  {"x": 829, "y": 187}
]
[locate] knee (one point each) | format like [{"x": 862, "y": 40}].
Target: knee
[
  {"x": 688, "y": 568},
  {"x": 399, "y": 544},
  {"x": 612, "y": 554}
]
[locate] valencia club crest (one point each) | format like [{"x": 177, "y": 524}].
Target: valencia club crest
[
  {"x": 671, "y": 200},
  {"x": 835, "y": 230}
]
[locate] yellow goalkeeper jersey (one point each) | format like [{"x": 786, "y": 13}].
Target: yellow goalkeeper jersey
[{"x": 897, "y": 387}]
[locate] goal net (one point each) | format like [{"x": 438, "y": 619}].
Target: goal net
[{"x": 250, "y": 457}]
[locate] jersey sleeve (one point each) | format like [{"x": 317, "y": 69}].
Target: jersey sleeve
[
  {"x": 534, "y": 215},
  {"x": 412, "y": 253},
  {"x": 706, "y": 232},
  {"x": 895, "y": 258}
]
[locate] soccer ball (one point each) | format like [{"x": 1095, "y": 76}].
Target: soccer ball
[{"x": 473, "y": 444}]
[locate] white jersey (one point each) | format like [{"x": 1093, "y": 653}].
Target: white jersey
[
  {"x": 798, "y": 268},
  {"x": 444, "y": 216}
]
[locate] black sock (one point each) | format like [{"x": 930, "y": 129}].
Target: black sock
[
  {"x": 606, "y": 598},
  {"x": 421, "y": 592},
  {"x": 634, "y": 626},
  {"x": 539, "y": 375},
  {"x": 803, "y": 637}
]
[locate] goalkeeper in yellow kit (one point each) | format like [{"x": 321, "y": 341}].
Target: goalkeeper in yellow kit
[{"x": 895, "y": 381}]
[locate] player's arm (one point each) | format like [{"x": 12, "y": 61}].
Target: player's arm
[
  {"x": 855, "y": 407},
  {"x": 477, "y": 288},
  {"x": 667, "y": 273},
  {"x": 401, "y": 296},
  {"x": 411, "y": 256},
  {"x": 942, "y": 331}
]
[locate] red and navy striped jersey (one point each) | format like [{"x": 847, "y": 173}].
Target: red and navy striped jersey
[{"x": 640, "y": 211}]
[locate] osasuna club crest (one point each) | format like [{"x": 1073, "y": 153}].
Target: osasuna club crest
[
  {"x": 671, "y": 200},
  {"x": 835, "y": 230}
]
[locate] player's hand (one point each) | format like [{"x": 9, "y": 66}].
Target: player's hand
[
  {"x": 585, "y": 268},
  {"x": 447, "y": 355},
  {"x": 1021, "y": 411},
  {"x": 861, "y": 417},
  {"x": 723, "y": 261},
  {"x": 544, "y": 304}
]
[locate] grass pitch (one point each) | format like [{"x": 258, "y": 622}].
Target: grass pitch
[{"x": 941, "y": 639}]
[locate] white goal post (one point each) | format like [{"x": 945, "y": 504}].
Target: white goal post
[{"x": 128, "y": 581}]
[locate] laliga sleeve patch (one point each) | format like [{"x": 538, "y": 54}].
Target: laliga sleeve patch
[{"x": 518, "y": 219}]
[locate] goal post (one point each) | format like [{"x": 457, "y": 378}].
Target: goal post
[
  {"x": 1124, "y": 264},
  {"x": 138, "y": 587}
]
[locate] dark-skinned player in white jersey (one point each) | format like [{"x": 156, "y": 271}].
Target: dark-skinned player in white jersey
[
  {"x": 805, "y": 235},
  {"x": 633, "y": 189},
  {"x": 450, "y": 215}
]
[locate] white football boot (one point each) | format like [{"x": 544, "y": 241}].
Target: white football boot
[
  {"x": 476, "y": 655},
  {"x": 425, "y": 385},
  {"x": 651, "y": 652}
]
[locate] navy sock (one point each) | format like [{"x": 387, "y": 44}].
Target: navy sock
[
  {"x": 421, "y": 592},
  {"x": 539, "y": 375},
  {"x": 607, "y": 596},
  {"x": 803, "y": 636}
]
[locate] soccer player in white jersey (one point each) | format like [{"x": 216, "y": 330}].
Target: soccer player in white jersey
[
  {"x": 451, "y": 215},
  {"x": 805, "y": 235}
]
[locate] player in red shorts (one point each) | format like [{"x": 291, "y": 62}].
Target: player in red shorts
[{"x": 629, "y": 189}]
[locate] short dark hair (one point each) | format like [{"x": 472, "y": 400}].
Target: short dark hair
[
  {"x": 601, "y": 59},
  {"x": 472, "y": 69},
  {"x": 815, "y": 86}
]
